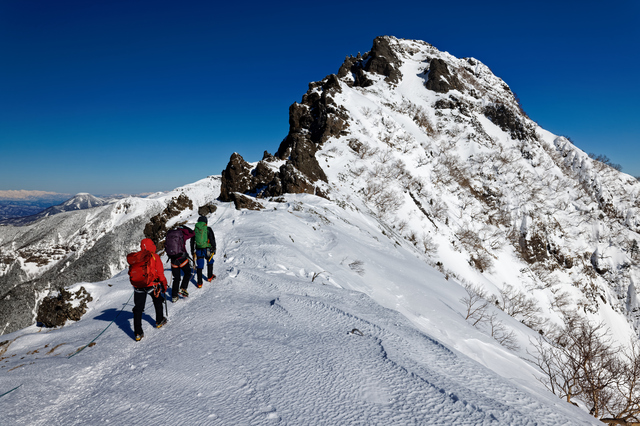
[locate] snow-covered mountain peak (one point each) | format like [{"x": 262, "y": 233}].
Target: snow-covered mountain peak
[
  {"x": 438, "y": 149},
  {"x": 83, "y": 200}
]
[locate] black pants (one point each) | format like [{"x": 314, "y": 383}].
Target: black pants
[
  {"x": 175, "y": 271},
  {"x": 209, "y": 273},
  {"x": 139, "y": 300}
]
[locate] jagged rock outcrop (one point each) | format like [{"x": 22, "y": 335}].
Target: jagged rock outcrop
[
  {"x": 381, "y": 60},
  {"x": 510, "y": 122},
  {"x": 236, "y": 177},
  {"x": 156, "y": 229},
  {"x": 243, "y": 202},
  {"x": 55, "y": 311},
  {"x": 440, "y": 79},
  {"x": 207, "y": 209},
  {"x": 439, "y": 148},
  {"x": 311, "y": 123}
]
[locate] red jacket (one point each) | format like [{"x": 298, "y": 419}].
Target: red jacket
[{"x": 148, "y": 245}]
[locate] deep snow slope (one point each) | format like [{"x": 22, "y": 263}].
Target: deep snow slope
[
  {"x": 485, "y": 193},
  {"x": 302, "y": 326}
]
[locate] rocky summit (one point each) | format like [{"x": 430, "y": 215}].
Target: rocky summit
[{"x": 442, "y": 154}]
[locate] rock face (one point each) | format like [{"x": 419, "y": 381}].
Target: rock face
[
  {"x": 156, "y": 228},
  {"x": 509, "y": 121},
  {"x": 311, "y": 123},
  {"x": 381, "y": 60},
  {"x": 55, "y": 311},
  {"x": 439, "y": 79},
  {"x": 440, "y": 149}
]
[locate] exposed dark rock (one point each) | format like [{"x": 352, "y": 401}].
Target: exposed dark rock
[
  {"x": 311, "y": 122},
  {"x": 207, "y": 209},
  {"x": 598, "y": 264},
  {"x": 439, "y": 78},
  {"x": 294, "y": 182},
  {"x": 380, "y": 60},
  {"x": 243, "y": 202},
  {"x": 509, "y": 121},
  {"x": 236, "y": 177},
  {"x": 54, "y": 311},
  {"x": 383, "y": 60},
  {"x": 268, "y": 157},
  {"x": 262, "y": 175},
  {"x": 274, "y": 189},
  {"x": 452, "y": 103},
  {"x": 347, "y": 66},
  {"x": 156, "y": 228}
]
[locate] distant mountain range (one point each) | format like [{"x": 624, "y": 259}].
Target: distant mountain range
[
  {"x": 79, "y": 202},
  {"x": 24, "y": 195},
  {"x": 26, "y": 207}
]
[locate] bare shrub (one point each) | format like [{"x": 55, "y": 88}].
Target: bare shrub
[
  {"x": 477, "y": 312},
  {"x": 475, "y": 303},
  {"x": 469, "y": 239},
  {"x": 505, "y": 337},
  {"x": 362, "y": 149},
  {"x": 401, "y": 225},
  {"x": 581, "y": 363},
  {"x": 471, "y": 242},
  {"x": 516, "y": 304},
  {"x": 438, "y": 209},
  {"x": 422, "y": 161},
  {"x": 372, "y": 189},
  {"x": 357, "y": 171},
  {"x": 384, "y": 156},
  {"x": 430, "y": 247},
  {"x": 421, "y": 118},
  {"x": 481, "y": 261},
  {"x": 384, "y": 200},
  {"x": 387, "y": 202},
  {"x": 561, "y": 301}
]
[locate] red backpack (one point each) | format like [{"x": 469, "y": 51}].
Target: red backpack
[{"x": 141, "y": 269}]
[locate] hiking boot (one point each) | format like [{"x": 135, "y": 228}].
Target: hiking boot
[
  {"x": 199, "y": 285},
  {"x": 161, "y": 323},
  {"x": 183, "y": 292},
  {"x": 174, "y": 299},
  {"x": 211, "y": 277},
  {"x": 139, "y": 337}
]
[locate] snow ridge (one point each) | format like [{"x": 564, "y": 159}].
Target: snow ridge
[{"x": 267, "y": 342}]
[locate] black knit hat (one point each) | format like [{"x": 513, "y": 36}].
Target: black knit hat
[{"x": 202, "y": 219}]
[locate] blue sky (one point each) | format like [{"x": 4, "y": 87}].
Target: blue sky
[{"x": 110, "y": 96}]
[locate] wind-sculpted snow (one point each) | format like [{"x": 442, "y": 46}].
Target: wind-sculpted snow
[{"x": 281, "y": 336}]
